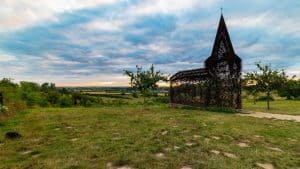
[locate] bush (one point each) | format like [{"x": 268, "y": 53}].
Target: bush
[
  {"x": 53, "y": 97},
  {"x": 31, "y": 98},
  {"x": 162, "y": 99},
  {"x": 265, "y": 98},
  {"x": 135, "y": 95},
  {"x": 43, "y": 102},
  {"x": 66, "y": 101}
]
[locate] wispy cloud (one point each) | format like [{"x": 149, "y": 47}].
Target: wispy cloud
[{"x": 91, "y": 42}]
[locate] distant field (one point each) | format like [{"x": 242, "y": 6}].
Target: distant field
[
  {"x": 157, "y": 137},
  {"x": 291, "y": 107}
]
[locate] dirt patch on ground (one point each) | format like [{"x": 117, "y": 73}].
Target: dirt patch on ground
[{"x": 272, "y": 116}]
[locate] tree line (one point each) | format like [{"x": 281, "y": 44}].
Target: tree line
[{"x": 29, "y": 94}]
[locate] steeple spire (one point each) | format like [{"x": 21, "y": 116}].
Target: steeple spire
[{"x": 222, "y": 36}]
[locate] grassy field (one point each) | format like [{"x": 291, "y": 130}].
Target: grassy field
[
  {"x": 158, "y": 137},
  {"x": 291, "y": 107}
]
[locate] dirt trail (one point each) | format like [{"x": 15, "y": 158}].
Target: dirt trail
[{"x": 273, "y": 116}]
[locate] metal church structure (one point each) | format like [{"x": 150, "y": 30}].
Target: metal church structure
[{"x": 216, "y": 85}]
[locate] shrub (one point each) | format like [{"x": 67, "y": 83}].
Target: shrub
[
  {"x": 66, "y": 101},
  {"x": 162, "y": 99},
  {"x": 135, "y": 95},
  {"x": 43, "y": 102},
  {"x": 53, "y": 97}
]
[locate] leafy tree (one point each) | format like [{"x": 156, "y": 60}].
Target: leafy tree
[
  {"x": 145, "y": 81},
  {"x": 9, "y": 89},
  {"x": 45, "y": 87},
  {"x": 30, "y": 92},
  {"x": 266, "y": 80},
  {"x": 291, "y": 89},
  {"x": 53, "y": 96},
  {"x": 66, "y": 101}
]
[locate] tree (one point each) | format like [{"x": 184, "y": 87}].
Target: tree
[
  {"x": 291, "y": 89},
  {"x": 30, "y": 92},
  {"x": 45, "y": 87},
  {"x": 145, "y": 81},
  {"x": 266, "y": 80}
]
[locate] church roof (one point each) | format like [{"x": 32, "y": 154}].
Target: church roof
[{"x": 190, "y": 75}]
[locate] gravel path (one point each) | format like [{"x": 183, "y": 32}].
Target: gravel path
[{"x": 271, "y": 115}]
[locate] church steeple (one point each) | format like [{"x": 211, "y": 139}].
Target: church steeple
[{"x": 222, "y": 38}]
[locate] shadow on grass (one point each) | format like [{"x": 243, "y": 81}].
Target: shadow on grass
[{"x": 225, "y": 110}]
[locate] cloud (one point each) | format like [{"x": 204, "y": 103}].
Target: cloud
[
  {"x": 269, "y": 21},
  {"x": 17, "y": 14},
  {"x": 150, "y": 7},
  {"x": 6, "y": 57},
  {"x": 104, "y": 25},
  {"x": 91, "y": 42}
]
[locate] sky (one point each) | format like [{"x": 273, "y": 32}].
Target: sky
[{"x": 91, "y": 42}]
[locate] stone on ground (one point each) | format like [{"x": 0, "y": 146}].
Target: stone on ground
[
  {"x": 190, "y": 144},
  {"x": 243, "y": 145},
  {"x": 229, "y": 155},
  {"x": 123, "y": 167},
  {"x": 206, "y": 139},
  {"x": 215, "y": 137},
  {"x": 167, "y": 149},
  {"x": 265, "y": 165},
  {"x": 196, "y": 136},
  {"x": 176, "y": 148},
  {"x": 186, "y": 167},
  {"x": 275, "y": 149},
  {"x": 110, "y": 166},
  {"x": 164, "y": 133},
  {"x": 74, "y": 139},
  {"x": 26, "y": 152},
  {"x": 160, "y": 155},
  {"x": 215, "y": 152},
  {"x": 293, "y": 140}
]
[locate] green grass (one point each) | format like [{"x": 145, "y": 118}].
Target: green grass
[
  {"x": 132, "y": 136},
  {"x": 291, "y": 107}
]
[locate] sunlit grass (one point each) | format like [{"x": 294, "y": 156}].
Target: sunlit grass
[
  {"x": 291, "y": 107},
  {"x": 127, "y": 135}
]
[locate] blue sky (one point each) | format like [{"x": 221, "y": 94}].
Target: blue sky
[{"x": 89, "y": 43}]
